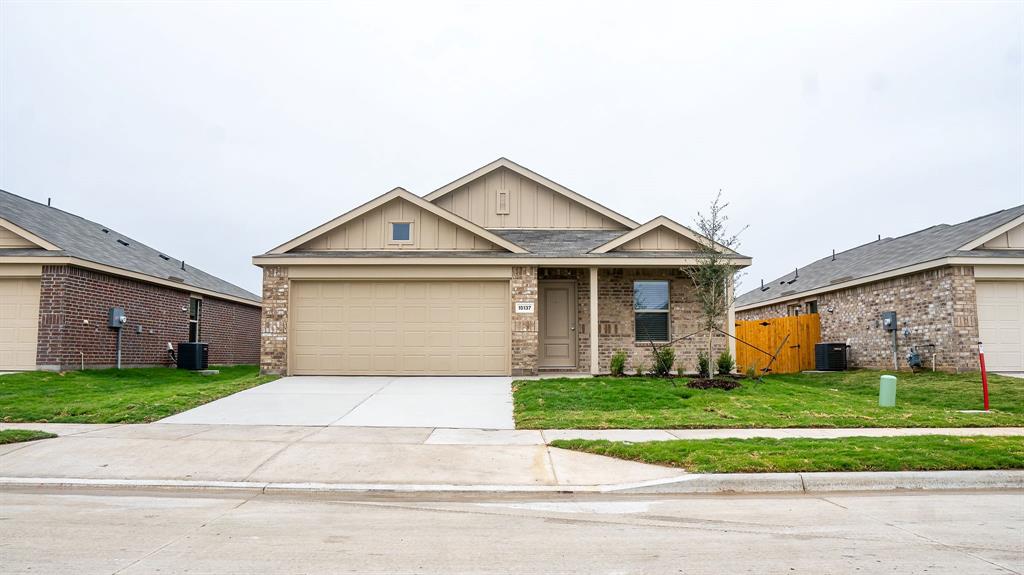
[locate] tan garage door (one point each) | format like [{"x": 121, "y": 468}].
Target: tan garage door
[
  {"x": 19, "y": 323},
  {"x": 399, "y": 327},
  {"x": 1001, "y": 324}
]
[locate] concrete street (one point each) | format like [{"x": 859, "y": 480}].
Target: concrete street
[{"x": 134, "y": 532}]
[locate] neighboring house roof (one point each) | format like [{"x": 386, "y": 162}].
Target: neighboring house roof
[
  {"x": 76, "y": 237},
  {"x": 889, "y": 255}
]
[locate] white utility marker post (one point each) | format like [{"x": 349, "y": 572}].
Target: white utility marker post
[{"x": 595, "y": 369}]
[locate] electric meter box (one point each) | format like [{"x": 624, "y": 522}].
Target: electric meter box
[
  {"x": 116, "y": 318},
  {"x": 889, "y": 320}
]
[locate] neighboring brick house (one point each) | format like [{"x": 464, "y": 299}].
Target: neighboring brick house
[
  {"x": 951, "y": 286},
  {"x": 60, "y": 274},
  {"x": 491, "y": 274}
]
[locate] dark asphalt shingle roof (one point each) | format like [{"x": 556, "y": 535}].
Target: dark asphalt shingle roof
[
  {"x": 84, "y": 239},
  {"x": 559, "y": 243},
  {"x": 888, "y": 254}
]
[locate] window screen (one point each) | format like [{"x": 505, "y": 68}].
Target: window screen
[{"x": 651, "y": 310}]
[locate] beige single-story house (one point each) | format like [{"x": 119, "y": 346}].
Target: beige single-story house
[
  {"x": 951, "y": 286},
  {"x": 501, "y": 272}
]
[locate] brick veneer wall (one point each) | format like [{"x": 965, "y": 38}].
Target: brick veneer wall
[
  {"x": 274, "y": 322},
  {"x": 938, "y": 306},
  {"x": 616, "y": 330},
  {"x": 74, "y": 304},
  {"x": 524, "y": 325}
]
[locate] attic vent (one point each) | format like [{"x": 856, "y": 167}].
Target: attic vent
[
  {"x": 106, "y": 231},
  {"x": 176, "y": 279},
  {"x": 163, "y": 257},
  {"x": 501, "y": 203},
  {"x": 841, "y": 280},
  {"x": 122, "y": 242}
]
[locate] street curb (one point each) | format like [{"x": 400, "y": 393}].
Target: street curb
[{"x": 712, "y": 483}]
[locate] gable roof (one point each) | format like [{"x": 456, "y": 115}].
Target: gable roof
[
  {"x": 384, "y": 199},
  {"x": 534, "y": 176},
  {"x": 888, "y": 255},
  {"x": 658, "y": 222},
  {"x": 74, "y": 236}
]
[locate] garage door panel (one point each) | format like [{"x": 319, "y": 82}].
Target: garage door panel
[
  {"x": 19, "y": 323},
  {"x": 1001, "y": 323},
  {"x": 400, "y": 327}
]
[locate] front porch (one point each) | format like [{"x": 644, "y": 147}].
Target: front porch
[{"x": 558, "y": 335}]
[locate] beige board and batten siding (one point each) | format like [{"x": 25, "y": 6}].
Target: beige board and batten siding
[
  {"x": 1011, "y": 239},
  {"x": 19, "y": 323},
  {"x": 399, "y": 327},
  {"x": 1001, "y": 323},
  {"x": 659, "y": 239},
  {"x": 529, "y": 205},
  {"x": 371, "y": 231},
  {"x": 9, "y": 239}
]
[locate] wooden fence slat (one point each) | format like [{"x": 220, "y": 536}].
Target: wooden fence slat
[{"x": 796, "y": 355}]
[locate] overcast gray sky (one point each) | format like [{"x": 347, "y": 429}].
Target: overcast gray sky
[{"x": 215, "y": 131}]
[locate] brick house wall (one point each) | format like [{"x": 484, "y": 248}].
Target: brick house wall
[
  {"x": 616, "y": 330},
  {"x": 74, "y": 304},
  {"x": 938, "y": 306}
]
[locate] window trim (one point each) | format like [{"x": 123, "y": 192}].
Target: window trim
[
  {"x": 198, "y": 321},
  {"x": 391, "y": 233},
  {"x": 667, "y": 311}
]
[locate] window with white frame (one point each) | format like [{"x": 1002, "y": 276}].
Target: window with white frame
[
  {"x": 651, "y": 310},
  {"x": 401, "y": 232},
  {"x": 195, "y": 319}
]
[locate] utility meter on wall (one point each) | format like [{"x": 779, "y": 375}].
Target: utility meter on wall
[
  {"x": 889, "y": 320},
  {"x": 117, "y": 318}
]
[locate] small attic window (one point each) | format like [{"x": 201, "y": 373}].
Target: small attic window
[
  {"x": 501, "y": 203},
  {"x": 401, "y": 232}
]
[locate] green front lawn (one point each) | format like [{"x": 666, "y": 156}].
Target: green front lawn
[
  {"x": 116, "y": 396},
  {"x": 20, "y": 435},
  {"x": 761, "y": 455},
  {"x": 842, "y": 399}
]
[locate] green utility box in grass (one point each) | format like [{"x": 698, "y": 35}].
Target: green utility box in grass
[{"x": 887, "y": 391}]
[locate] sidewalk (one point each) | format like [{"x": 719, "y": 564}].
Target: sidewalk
[{"x": 411, "y": 459}]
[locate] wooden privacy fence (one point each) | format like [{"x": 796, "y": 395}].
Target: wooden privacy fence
[{"x": 797, "y": 353}]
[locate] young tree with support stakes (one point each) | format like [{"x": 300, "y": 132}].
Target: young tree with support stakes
[{"x": 714, "y": 274}]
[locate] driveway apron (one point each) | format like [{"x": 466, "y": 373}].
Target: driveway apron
[{"x": 445, "y": 402}]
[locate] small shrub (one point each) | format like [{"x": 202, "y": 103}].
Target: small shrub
[
  {"x": 703, "y": 365},
  {"x": 663, "y": 360},
  {"x": 725, "y": 363},
  {"x": 617, "y": 365},
  {"x": 639, "y": 367},
  {"x": 751, "y": 372}
]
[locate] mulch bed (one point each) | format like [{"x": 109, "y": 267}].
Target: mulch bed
[{"x": 713, "y": 384}]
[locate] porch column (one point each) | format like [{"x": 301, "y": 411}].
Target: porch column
[{"x": 594, "y": 367}]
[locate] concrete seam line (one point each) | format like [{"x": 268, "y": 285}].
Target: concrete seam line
[{"x": 803, "y": 484}]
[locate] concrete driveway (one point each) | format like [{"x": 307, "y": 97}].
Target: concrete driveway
[{"x": 447, "y": 402}]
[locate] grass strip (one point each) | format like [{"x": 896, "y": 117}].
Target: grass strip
[{"x": 763, "y": 455}]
